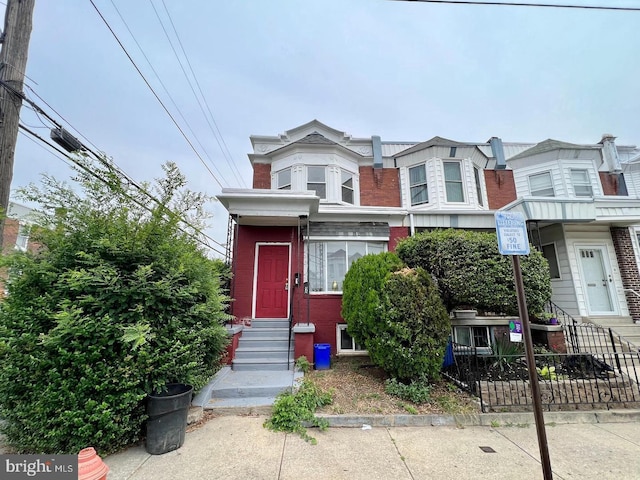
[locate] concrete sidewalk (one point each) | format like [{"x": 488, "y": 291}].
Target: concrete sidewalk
[{"x": 239, "y": 447}]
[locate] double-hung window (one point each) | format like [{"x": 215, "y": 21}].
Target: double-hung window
[
  {"x": 453, "y": 181},
  {"x": 329, "y": 261},
  {"x": 472, "y": 336},
  {"x": 346, "y": 181},
  {"x": 541, "y": 185},
  {"x": 418, "y": 185},
  {"x": 317, "y": 181},
  {"x": 22, "y": 241},
  {"x": 581, "y": 183},
  {"x": 284, "y": 179}
]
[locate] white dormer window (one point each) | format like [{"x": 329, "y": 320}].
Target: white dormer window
[
  {"x": 346, "y": 180},
  {"x": 540, "y": 185},
  {"x": 317, "y": 181},
  {"x": 418, "y": 185},
  {"x": 453, "y": 182},
  {"x": 581, "y": 183},
  {"x": 284, "y": 179}
]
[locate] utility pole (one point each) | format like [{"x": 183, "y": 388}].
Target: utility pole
[{"x": 13, "y": 62}]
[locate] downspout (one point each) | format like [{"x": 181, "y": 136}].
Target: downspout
[
  {"x": 307, "y": 287},
  {"x": 234, "y": 261},
  {"x": 412, "y": 227}
]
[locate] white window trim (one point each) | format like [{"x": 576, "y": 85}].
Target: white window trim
[
  {"x": 589, "y": 184},
  {"x": 555, "y": 248},
  {"x": 345, "y": 352},
  {"x": 465, "y": 193},
  {"x": 426, "y": 184},
  {"x": 547, "y": 172},
  {"x": 479, "y": 349}
]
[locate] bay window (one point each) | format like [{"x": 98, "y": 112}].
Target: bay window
[
  {"x": 541, "y": 185},
  {"x": 317, "y": 181},
  {"x": 284, "y": 179},
  {"x": 418, "y": 185},
  {"x": 453, "y": 182},
  {"x": 346, "y": 180}
]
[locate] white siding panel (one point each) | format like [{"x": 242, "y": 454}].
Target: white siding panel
[{"x": 596, "y": 236}]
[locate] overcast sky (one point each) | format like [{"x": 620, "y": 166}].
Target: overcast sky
[{"x": 401, "y": 70}]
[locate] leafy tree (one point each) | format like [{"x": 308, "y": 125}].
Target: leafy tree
[
  {"x": 119, "y": 301},
  {"x": 470, "y": 271}
]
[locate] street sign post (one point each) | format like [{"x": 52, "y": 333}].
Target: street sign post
[{"x": 513, "y": 240}]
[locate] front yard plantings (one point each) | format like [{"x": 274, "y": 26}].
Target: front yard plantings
[
  {"x": 417, "y": 391},
  {"x": 469, "y": 270},
  {"x": 294, "y": 411},
  {"x": 119, "y": 301},
  {"x": 403, "y": 323}
]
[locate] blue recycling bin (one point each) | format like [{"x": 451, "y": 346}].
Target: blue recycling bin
[{"x": 322, "y": 355}]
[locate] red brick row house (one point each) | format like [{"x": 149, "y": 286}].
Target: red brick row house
[{"x": 321, "y": 199}]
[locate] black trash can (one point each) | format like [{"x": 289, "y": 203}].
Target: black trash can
[{"x": 167, "y": 422}]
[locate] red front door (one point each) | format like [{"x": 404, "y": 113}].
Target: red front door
[{"x": 273, "y": 278}]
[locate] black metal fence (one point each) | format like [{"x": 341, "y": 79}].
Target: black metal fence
[{"x": 598, "y": 370}]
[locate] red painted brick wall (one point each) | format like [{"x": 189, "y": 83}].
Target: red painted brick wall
[
  {"x": 628, "y": 267},
  {"x": 609, "y": 183},
  {"x": 379, "y": 187},
  {"x": 10, "y": 234},
  {"x": 501, "y": 188},
  {"x": 395, "y": 235},
  {"x": 261, "y": 175}
]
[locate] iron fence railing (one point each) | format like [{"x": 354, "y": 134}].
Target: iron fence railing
[{"x": 606, "y": 378}]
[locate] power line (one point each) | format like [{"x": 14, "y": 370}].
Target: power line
[
  {"x": 525, "y": 4},
  {"x": 101, "y": 179},
  {"x": 228, "y": 156},
  {"x": 154, "y": 93},
  {"x": 175, "y": 105}
]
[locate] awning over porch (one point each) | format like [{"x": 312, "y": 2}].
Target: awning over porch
[
  {"x": 268, "y": 207},
  {"x": 613, "y": 210}
]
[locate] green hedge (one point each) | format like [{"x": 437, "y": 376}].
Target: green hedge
[
  {"x": 118, "y": 302},
  {"x": 471, "y": 272}
]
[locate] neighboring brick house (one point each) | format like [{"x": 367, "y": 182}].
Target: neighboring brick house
[{"x": 322, "y": 199}]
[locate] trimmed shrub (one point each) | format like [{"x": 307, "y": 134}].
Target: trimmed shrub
[
  {"x": 361, "y": 291},
  {"x": 470, "y": 271},
  {"x": 119, "y": 301},
  {"x": 401, "y": 320}
]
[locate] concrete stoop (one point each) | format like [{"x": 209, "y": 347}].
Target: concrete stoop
[{"x": 242, "y": 392}]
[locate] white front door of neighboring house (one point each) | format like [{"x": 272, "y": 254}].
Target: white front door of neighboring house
[{"x": 597, "y": 280}]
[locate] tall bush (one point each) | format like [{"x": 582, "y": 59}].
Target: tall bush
[
  {"x": 470, "y": 271},
  {"x": 397, "y": 314},
  {"x": 361, "y": 292},
  {"x": 119, "y": 301}
]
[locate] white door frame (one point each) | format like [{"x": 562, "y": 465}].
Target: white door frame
[
  {"x": 609, "y": 277},
  {"x": 254, "y": 300}
]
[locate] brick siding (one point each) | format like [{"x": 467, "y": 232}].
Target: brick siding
[
  {"x": 261, "y": 175},
  {"x": 379, "y": 187},
  {"x": 609, "y": 183},
  {"x": 628, "y": 267},
  {"x": 501, "y": 188}
]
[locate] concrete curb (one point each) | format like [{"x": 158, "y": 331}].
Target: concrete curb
[{"x": 482, "y": 419}]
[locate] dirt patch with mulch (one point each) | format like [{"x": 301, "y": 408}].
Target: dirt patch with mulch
[{"x": 358, "y": 388}]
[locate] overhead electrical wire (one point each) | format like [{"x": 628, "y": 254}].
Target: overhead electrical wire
[
  {"x": 175, "y": 105},
  {"x": 100, "y": 158},
  {"x": 228, "y": 155},
  {"x": 154, "y": 93},
  {"x": 525, "y": 4},
  {"x": 99, "y": 178}
]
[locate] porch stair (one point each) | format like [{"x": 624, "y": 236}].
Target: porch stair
[
  {"x": 264, "y": 346},
  {"x": 621, "y": 325},
  {"x": 245, "y": 392}
]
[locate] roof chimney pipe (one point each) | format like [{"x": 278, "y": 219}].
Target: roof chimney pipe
[{"x": 497, "y": 151}]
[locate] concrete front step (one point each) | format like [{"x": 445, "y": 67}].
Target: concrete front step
[
  {"x": 266, "y": 342},
  {"x": 607, "y": 321},
  {"x": 254, "y": 333},
  {"x": 260, "y": 352},
  {"x": 256, "y": 364},
  {"x": 270, "y": 323}
]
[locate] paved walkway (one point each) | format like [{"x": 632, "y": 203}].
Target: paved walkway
[{"x": 238, "y": 447}]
